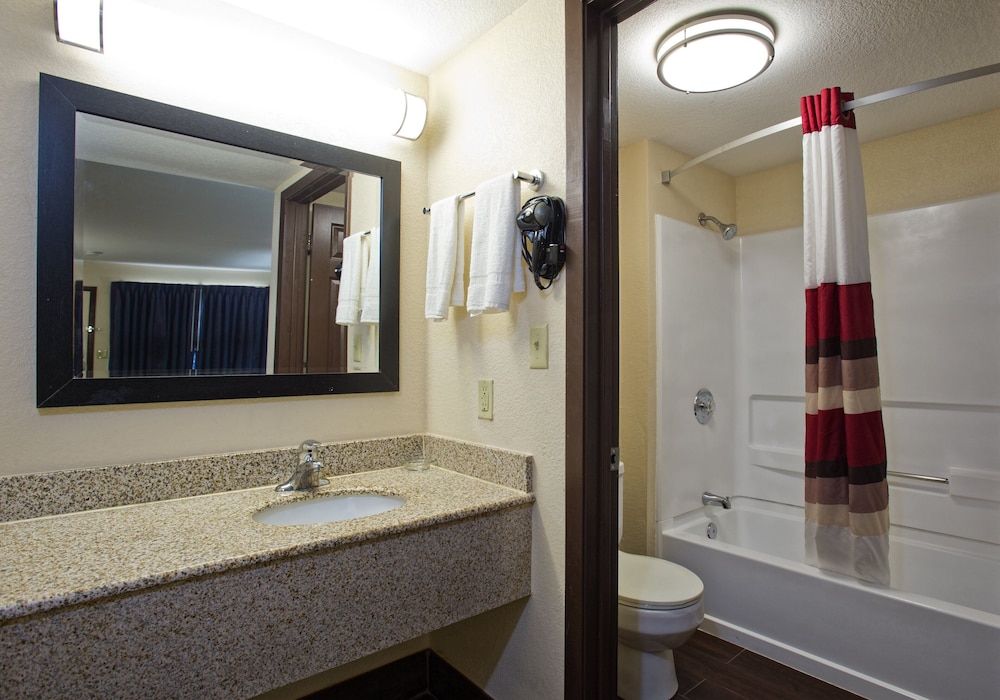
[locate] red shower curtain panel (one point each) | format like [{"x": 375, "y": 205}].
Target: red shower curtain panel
[{"x": 846, "y": 494}]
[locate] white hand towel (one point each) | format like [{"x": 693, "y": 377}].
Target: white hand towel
[
  {"x": 373, "y": 278},
  {"x": 495, "y": 270},
  {"x": 445, "y": 259},
  {"x": 349, "y": 294}
]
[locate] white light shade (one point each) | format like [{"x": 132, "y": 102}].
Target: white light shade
[
  {"x": 715, "y": 53},
  {"x": 79, "y": 22},
  {"x": 412, "y": 116}
]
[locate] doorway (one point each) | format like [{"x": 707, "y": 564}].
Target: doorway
[
  {"x": 86, "y": 312},
  {"x": 326, "y": 342},
  {"x": 315, "y": 215},
  {"x": 592, "y": 330}
]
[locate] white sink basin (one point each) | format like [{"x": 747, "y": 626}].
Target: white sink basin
[{"x": 327, "y": 509}]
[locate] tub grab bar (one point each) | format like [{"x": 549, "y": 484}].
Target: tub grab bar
[{"x": 919, "y": 477}]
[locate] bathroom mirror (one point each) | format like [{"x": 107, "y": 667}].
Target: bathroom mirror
[{"x": 143, "y": 205}]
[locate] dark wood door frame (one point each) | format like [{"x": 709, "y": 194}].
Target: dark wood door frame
[
  {"x": 89, "y": 328},
  {"x": 592, "y": 345},
  {"x": 293, "y": 251},
  {"x": 326, "y": 341}
]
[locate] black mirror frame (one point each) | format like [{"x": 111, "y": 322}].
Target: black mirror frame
[{"x": 59, "y": 102}]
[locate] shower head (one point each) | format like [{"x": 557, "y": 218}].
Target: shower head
[{"x": 728, "y": 230}]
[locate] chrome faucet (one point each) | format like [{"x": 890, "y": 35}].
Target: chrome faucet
[
  {"x": 307, "y": 473},
  {"x": 710, "y": 499}
]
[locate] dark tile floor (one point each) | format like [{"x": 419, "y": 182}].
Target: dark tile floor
[
  {"x": 420, "y": 676},
  {"x": 709, "y": 668}
]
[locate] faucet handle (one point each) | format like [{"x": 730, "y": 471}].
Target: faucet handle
[
  {"x": 307, "y": 474},
  {"x": 306, "y": 450}
]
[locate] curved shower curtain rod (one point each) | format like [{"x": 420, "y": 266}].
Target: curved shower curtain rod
[{"x": 666, "y": 175}]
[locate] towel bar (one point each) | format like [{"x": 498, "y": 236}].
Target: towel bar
[
  {"x": 919, "y": 477},
  {"x": 535, "y": 180}
]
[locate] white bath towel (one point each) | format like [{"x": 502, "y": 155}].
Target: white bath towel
[
  {"x": 349, "y": 294},
  {"x": 495, "y": 270},
  {"x": 445, "y": 259},
  {"x": 370, "y": 296}
]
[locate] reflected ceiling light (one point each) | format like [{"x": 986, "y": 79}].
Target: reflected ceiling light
[
  {"x": 81, "y": 23},
  {"x": 715, "y": 53},
  {"x": 412, "y": 111}
]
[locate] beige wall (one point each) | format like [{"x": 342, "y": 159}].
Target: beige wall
[
  {"x": 946, "y": 162},
  {"x": 208, "y": 67},
  {"x": 641, "y": 198},
  {"x": 499, "y": 106},
  {"x": 941, "y": 163}
]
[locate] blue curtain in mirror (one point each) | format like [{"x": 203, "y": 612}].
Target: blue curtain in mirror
[
  {"x": 185, "y": 329},
  {"x": 151, "y": 329},
  {"x": 233, "y": 337}
]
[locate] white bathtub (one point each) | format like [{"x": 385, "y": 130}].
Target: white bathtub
[{"x": 935, "y": 634}]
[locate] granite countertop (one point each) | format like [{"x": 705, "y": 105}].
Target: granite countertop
[{"x": 55, "y": 561}]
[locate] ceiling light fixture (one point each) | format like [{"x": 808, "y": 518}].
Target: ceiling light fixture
[
  {"x": 715, "y": 53},
  {"x": 81, "y": 23},
  {"x": 412, "y": 112}
]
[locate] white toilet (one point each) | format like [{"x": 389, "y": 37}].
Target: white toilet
[{"x": 659, "y": 608}]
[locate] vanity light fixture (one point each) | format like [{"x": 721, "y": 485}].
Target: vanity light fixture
[
  {"x": 81, "y": 23},
  {"x": 715, "y": 53},
  {"x": 412, "y": 111}
]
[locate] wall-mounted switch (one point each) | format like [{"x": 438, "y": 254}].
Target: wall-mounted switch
[
  {"x": 539, "y": 352},
  {"x": 486, "y": 399}
]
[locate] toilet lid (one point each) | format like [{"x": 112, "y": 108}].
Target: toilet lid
[{"x": 655, "y": 584}]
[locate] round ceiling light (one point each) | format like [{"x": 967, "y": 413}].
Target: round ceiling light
[{"x": 715, "y": 53}]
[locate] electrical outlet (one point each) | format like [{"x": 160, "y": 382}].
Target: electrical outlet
[{"x": 486, "y": 399}]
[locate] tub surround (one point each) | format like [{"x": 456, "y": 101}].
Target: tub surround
[
  {"x": 192, "y": 598},
  {"x": 891, "y": 645}
]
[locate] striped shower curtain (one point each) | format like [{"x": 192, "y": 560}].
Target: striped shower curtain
[{"x": 846, "y": 494}]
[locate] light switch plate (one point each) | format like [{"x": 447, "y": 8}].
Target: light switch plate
[{"x": 539, "y": 353}]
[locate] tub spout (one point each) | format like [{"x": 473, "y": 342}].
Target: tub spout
[{"x": 710, "y": 499}]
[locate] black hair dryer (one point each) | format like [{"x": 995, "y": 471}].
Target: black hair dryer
[{"x": 542, "y": 222}]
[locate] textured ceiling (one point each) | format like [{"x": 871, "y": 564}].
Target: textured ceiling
[
  {"x": 181, "y": 201},
  {"x": 415, "y": 34},
  {"x": 127, "y": 145},
  {"x": 862, "y": 46}
]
